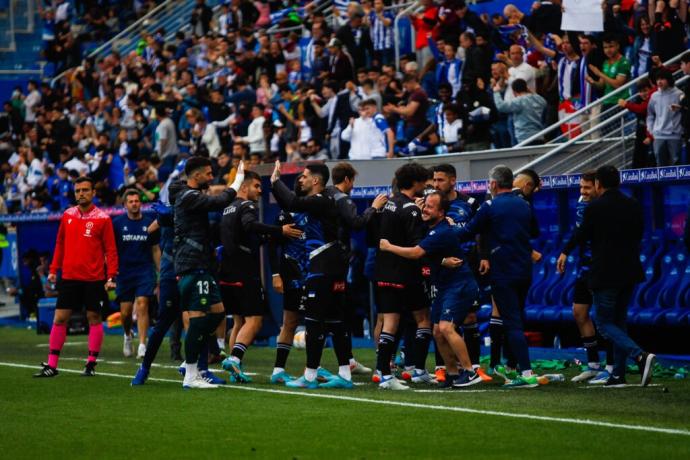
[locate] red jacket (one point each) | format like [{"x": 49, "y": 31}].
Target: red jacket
[{"x": 85, "y": 244}]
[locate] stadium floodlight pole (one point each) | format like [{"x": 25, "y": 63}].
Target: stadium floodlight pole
[
  {"x": 396, "y": 33},
  {"x": 617, "y": 92}
]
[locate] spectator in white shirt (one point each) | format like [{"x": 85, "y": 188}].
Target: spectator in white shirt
[
  {"x": 369, "y": 135},
  {"x": 255, "y": 132},
  {"x": 32, "y": 100},
  {"x": 518, "y": 68}
]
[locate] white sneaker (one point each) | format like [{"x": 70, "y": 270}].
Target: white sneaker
[
  {"x": 359, "y": 369},
  {"x": 421, "y": 377},
  {"x": 127, "y": 347},
  {"x": 141, "y": 351},
  {"x": 585, "y": 375},
  {"x": 197, "y": 382},
  {"x": 392, "y": 384}
]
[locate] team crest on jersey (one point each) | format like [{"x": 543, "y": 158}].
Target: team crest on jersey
[
  {"x": 124, "y": 228},
  {"x": 414, "y": 213},
  {"x": 89, "y": 227},
  {"x": 143, "y": 228}
]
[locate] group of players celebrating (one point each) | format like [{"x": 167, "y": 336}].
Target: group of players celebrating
[{"x": 435, "y": 248}]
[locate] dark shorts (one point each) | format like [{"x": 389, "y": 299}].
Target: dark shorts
[
  {"x": 324, "y": 297},
  {"x": 78, "y": 295},
  {"x": 581, "y": 292},
  {"x": 244, "y": 298},
  {"x": 452, "y": 304},
  {"x": 398, "y": 298},
  {"x": 168, "y": 295},
  {"x": 293, "y": 300},
  {"x": 128, "y": 289},
  {"x": 198, "y": 291}
]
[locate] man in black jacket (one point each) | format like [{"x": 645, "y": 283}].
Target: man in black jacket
[
  {"x": 341, "y": 65},
  {"x": 357, "y": 40},
  {"x": 199, "y": 294},
  {"x": 343, "y": 177},
  {"x": 613, "y": 226}
]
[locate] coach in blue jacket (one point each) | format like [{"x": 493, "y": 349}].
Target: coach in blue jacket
[
  {"x": 613, "y": 224},
  {"x": 507, "y": 225}
]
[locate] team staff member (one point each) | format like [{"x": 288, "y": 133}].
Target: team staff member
[
  {"x": 582, "y": 296},
  {"x": 506, "y": 222},
  {"x": 456, "y": 289},
  {"x": 139, "y": 256},
  {"x": 199, "y": 293},
  {"x": 85, "y": 246},
  {"x": 399, "y": 286},
  {"x": 613, "y": 225},
  {"x": 242, "y": 234},
  {"x": 326, "y": 273},
  {"x": 461, "y": 209},
  {"x": 343, "y": 178}
]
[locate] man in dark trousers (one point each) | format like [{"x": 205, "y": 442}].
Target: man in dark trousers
[
  {"x": 613, "y": 226},
  {"x": 506, "y": 223},
  {"x": 343, "y": 178}
]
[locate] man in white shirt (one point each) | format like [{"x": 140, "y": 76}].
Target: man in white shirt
[
  {"x": 255, "y": 132},
  {"x": 518, "y": 68},
  {"x": 33, "y": 99},
  {"x": 369, "y": 135}
]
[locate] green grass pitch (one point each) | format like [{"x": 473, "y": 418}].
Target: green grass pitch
[{"x": 104, "y": 417}]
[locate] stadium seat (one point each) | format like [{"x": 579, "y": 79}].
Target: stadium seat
[{"x": 672, "y": 268}]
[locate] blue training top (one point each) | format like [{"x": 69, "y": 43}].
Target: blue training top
[
  {"x": 134, "y": 246},
  {"x": 441, "y": 241}
]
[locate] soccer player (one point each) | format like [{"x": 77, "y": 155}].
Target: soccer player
[
  {"x": 399, "y": 285},
  {"x": 85, "y": 246},
  {"x": 582, "y": 296},
  {"x": 506, "y": 221},
  {"x": 139, "y": 256},
  {"x": 326, "y": 273},
  {"x": 461, "y": 209},
  {"x": 199, "y": 293},
  {"x": 456, "y": 289},
  {"x": 343, "y": 177},
  {"x": 288, "y": 258},
  {"x": 242, "y": 234},
  {"x": 169, "y": 299}
]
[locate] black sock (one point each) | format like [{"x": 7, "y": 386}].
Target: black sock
[
  {"x": 437, "y": 355},
  {"x": 472, "y": 341},
  {"x": 384, "y": 353},
  {"x": 238, "y": 350},
  {"x": 315, "y": 337},
  {"x": 193, "y": 340},
  {"x": 421, "y": 342},
  {"x": 609, "y": 353},
  {"x": 282, "y": 352},
  {"x": 341, "y": 338},
  {"x": 496, "y": 334},
  {"x": 409, "y": 336},
  {"x": 592, "y": 347}
]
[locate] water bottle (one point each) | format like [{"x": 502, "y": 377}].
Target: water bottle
[
  {"x": 367, "y": 333},
  {"x": 554, "y": 377}
]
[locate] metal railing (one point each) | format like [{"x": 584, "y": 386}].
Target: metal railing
[
  {"x": 8, "y": 43},
  {"x": 610, "y": 141},
  {"x": 410, "y": 8},
  {"x": 588, "y": 116}
]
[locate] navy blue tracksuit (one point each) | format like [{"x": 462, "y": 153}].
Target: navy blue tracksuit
[{"x": 507, "y": 225}]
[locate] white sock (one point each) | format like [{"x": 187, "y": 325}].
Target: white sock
[
  {"x": 277, "y": 370},
  {"x": 221, "y": 344},
  {"x": 310, "y": 374},
  {"x": 594, "y": 365},
  {"x": 191, "y": 371},
  {"x": 609, "y": 368},
  {"x": 527, "y": 373},
  {"x": 353, "y": 362},
  {"x": 439, "y": 367},
  {"x": 475, "y": 367},
  {"x": 344, "y": 372}
]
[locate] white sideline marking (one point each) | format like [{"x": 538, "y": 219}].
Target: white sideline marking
[
  {"x": 67, "y": 344},
  {"x": 627, "y": 385},
  {"x": 309, "y": 394},
  {"x": 454, "y": 392}
]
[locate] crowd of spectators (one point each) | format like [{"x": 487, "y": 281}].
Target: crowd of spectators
[{"x": 329, "y": 87}]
